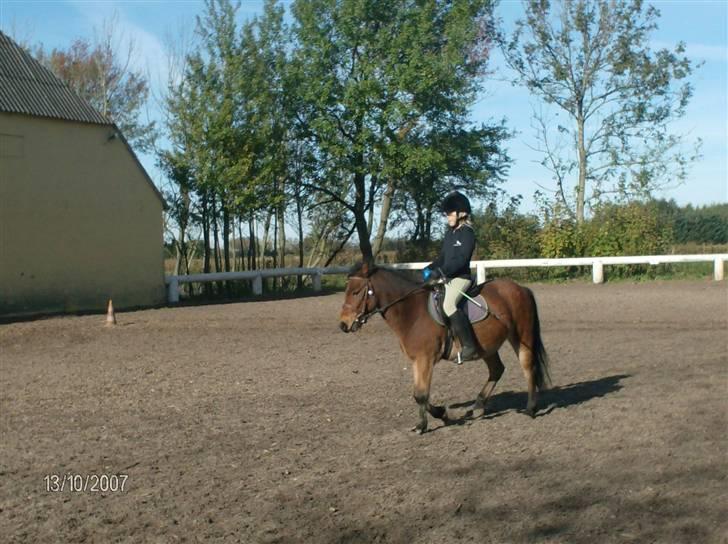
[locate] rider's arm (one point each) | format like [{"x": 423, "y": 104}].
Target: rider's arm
[{"x": 437, "y": 263}]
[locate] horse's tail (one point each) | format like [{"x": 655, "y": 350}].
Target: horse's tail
[{"x": 541, "y": 358}]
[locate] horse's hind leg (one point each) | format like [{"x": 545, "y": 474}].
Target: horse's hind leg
[
  {"x": 495, "y": 371},
  {"x": 526, "y": 358}
]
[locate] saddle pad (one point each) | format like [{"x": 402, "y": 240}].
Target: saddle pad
[{"x": 474, "y": 312}]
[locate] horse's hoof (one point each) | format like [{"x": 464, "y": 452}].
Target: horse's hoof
[
  {"x": 419, "y": 428},
  {"x": 531, "y": 412}
]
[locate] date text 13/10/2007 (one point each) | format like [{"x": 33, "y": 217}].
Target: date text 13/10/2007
[{"x": 85, "y": 483}]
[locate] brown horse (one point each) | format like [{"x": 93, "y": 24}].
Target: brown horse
[{"x": 403, "y": 305}]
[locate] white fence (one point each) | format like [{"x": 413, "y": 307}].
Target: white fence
[
  {"x": 256, "y": 276},
  {"x": 481, "y": 267}
]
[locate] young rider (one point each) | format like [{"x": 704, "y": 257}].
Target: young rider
[{"x": 453, "y": 265}]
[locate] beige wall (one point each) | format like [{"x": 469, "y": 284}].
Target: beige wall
[{"x": 79, "y": 221}]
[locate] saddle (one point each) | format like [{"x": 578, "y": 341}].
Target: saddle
[{"x": 476, "y": 311}]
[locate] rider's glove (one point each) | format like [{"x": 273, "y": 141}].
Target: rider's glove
[{"x": 426, "y": 273}]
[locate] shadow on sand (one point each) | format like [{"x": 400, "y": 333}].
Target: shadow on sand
[{"x": 557, "y": 397}]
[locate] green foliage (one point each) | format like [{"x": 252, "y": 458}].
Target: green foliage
[
  {"x": 632, "y": 229},
  {"x": 325, "y": 115},
  {"x": 506, "y": 233},
  {"x": 562, "y": 238},
  {"x": 592, "y": 60},
  {"x": 629, "y": 229},
  {"x": 470, "y": 160},
  {"x": 382, "y": 95},
  {"x": 708, "y": 225}
]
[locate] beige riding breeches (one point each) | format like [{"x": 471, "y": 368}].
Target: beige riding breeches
[{"x": 454, "y": 290}]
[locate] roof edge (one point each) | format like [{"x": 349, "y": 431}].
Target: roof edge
[{"x": 140, "y": 165}]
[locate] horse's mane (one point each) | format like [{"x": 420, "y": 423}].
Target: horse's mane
[
  {"x": 400, "y": 274},
  {"x": 404, "y": 280}
]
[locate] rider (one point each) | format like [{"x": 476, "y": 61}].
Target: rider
[{"x": 453, "y": 265}]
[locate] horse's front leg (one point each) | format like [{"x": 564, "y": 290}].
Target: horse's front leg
[{"x": 422, "y": 369}]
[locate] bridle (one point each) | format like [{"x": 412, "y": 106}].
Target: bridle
[{"x": 363, "y": 316}]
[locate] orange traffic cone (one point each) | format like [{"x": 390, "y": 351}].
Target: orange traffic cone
[{"x": 110, "y": 316}]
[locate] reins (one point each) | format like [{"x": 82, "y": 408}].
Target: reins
[{"x": 364, "y": 316}]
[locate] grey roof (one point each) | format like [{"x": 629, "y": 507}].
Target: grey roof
[{"x": 28, "y": 87}]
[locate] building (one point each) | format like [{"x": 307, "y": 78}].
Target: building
[{"x": 80, "y": 219}]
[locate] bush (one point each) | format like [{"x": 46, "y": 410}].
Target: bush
[
  {"x": 506, "y": 234},
  {"x": 632, "y": 229}
]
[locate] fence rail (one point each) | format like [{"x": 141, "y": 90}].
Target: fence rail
[{"x": 481, "y": 267}]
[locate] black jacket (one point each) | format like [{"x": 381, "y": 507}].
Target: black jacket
[{"x": 457, "y": 250}]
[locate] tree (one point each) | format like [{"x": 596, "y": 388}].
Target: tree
[
  {"x": 457, "y": 157},
  {"x": 227, "y": 123},
  {"x": 373, "y": 85},
  {"x": 101, "y": 72},
  {"x": 591, "y": 59},
  {"x": 505, "y": 233}
]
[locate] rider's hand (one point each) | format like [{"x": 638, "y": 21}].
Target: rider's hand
[{"x": 433, "y": 278}]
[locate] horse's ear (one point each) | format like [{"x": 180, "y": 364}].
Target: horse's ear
[{"x": 368, "y": 268}]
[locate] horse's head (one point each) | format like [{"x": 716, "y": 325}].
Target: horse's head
[{"x": 360, "y": 299}]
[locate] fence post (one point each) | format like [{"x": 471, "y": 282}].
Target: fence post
[
  {"x": 597, "y": 272},
  {"x": 258, "y": 284},
  {"x": 317, "y": 280},
  {"x": 173, "y": 290},
  {"x": 481, "y": 275},
  {"x": 718, "y": 269}
]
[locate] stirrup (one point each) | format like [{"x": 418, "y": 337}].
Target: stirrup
[{"x": 460, "y": 360}]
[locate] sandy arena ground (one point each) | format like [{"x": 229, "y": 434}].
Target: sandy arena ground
[{"x": 262, "y": 422}]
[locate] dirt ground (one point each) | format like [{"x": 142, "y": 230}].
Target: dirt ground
[{"x": 262, "y": 422}]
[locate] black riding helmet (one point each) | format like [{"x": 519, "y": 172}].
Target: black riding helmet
[{"x": 456, "y": 202}]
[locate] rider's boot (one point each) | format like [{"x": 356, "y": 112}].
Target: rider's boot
[{"x": 464, "y": 331}]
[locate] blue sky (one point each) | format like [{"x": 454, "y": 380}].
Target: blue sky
[{"x": 702, "y": 25}]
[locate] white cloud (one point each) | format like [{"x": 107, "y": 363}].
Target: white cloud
[{"x": 707, "y": 52}]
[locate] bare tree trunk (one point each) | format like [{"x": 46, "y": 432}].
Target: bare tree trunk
[
  {"x": 341, "y": 246},
  {"x": 216, "y": 234},
  {"x": 206, "y": 239},
  {"x": 184, "y": 221},
  {"x": 226, "y": 243},
  {"x": 299, "y": 217},
  {"x": 370, "y": 218},
  {"x": 275, "y": 281},
  {"x": 318, "y": 248},
  {"x": 226, "y": 237},
  {"x": 242, "y": 247},
  {"x": 252, "y": 245},
  {"x": 383, "y": 217},
  {"x": 360, "y": 220},
  {"x": 264, "y": 244},
  {"x": 581, "y": 189},
  {"x": 282, "y": 239}
]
